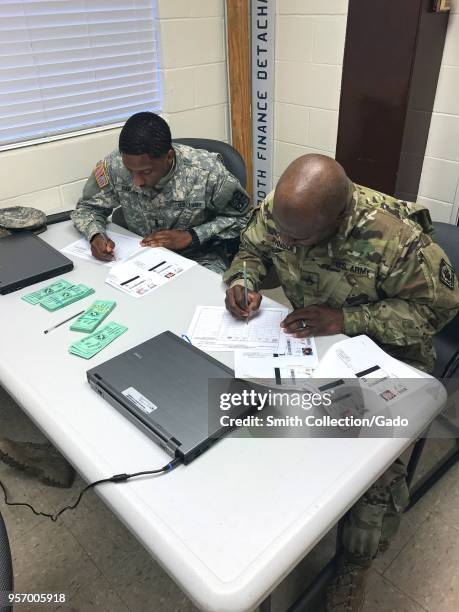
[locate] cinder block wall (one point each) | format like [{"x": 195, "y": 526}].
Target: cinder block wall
[
  {"x": 439, "y": 186},
  {"x": 310, "y": 37}
]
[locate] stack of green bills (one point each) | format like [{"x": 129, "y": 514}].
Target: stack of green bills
[
  {"x": 38, "y": 296},
  {"x": 88, "y": 346},
  {"x": 93, "y": 316},
  {"x": 65, "y": 297}
]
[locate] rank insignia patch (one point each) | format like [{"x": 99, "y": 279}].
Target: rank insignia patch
[
  {"x": 447, "y": 274},
  {"x": 100, "y": 174}
]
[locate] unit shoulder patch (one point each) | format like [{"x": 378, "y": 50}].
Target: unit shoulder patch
[
  {"x": 446, "y": 274},
  {"x": 239, "y": 201},
  {"x": 101, "y": 175}
]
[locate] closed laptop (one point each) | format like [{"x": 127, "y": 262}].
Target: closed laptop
[{"x": 26, "y": 259}]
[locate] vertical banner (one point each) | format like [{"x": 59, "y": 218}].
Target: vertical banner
[{"x": 263, "y": 32}]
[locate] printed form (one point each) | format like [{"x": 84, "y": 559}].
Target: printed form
[
  {"x": 125, "y": 247},
  {"x": 214, "y": 328}
]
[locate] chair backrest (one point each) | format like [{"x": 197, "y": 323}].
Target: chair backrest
[
  {"x": 447, "y": 340},
  {"x": 232, "y": 159},
  {"x": 6, "y": 567}
]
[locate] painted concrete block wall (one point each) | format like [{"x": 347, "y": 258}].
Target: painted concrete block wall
[
  {"x": 310, "y": 36},
  {"x": 193, "y": 49},
  {"x": 439, "y": 186},
  {"x": 193, "y": 54}
]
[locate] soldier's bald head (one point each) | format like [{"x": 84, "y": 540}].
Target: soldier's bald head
[{"x": 310, "y": 199}]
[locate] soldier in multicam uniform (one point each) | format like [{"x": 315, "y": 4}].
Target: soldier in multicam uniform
[
  {"x": 173, "y": 196},
  {"x": 355, "y": 261}
]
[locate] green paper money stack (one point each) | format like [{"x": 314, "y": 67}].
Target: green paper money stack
[
  {"x": 88, "y": 346},
  {"x": 38, "y": 296},
  {"x": 93, "y": 316},
  {"x": 67, "y": 296}
]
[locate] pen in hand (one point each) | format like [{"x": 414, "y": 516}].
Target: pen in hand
[{"x": 246, "y": 290}]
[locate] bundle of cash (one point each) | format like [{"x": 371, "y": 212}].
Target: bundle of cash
[
  {"x": 67, "y": 296},
  {"x": 88, "y": 346},
  {"x": 38, "y": 296},
  {"x": 93, "y": 316}
]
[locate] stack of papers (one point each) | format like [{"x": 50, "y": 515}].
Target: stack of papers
[
  {"x": 147, "y": 271},
  {"x": 88, "y": 346},
  {"x": 38, "y": 296},
  {"x": 93, "y": 316},
  {"x": 67, "y": 296},
  {"x": 262, "y": 349}
]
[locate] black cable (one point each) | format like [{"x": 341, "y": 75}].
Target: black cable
[{"x": 116, "y": 479}]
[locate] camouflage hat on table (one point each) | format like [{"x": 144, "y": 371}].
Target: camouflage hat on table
[{"x": 17, "y": 218}]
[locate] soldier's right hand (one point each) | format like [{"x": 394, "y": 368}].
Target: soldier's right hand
[
  {"x": 102, "y": 248},
  {"x": 235, "y": 302}
]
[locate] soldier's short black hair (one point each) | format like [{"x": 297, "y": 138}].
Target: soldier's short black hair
[{"x": 145, "y": 133}]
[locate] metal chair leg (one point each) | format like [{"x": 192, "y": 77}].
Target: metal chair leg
[
  {"x": 414, "y": 460},
  {"x": 265, "y": 605}
]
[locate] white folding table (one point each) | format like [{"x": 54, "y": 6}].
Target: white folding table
[{"x": 231, "y": 525}]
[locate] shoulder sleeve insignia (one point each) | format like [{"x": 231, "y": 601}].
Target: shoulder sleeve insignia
[
  {"x": 239, "y": 201},
  {"x": 447, "y": 274},
  {"x": 101, "y": 175}
]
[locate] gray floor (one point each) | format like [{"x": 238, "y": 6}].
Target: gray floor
[{"x": 91, "y": 557}]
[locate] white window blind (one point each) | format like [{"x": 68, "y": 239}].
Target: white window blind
[{"x": 67, "y": 65}]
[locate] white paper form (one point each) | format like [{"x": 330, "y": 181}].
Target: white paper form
[
  {"x": 298, "y": 347},
  {"x": 214, "y": 328},
  {"x": 125, "y": 247},
  {"x": 147, "y": 271},
  {"x": 295, "y": 360},
  {"x": 363, "y": 359},
  {"x": 281, "y": 369}
]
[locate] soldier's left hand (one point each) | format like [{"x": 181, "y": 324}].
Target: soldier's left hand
[
  {"x": 314, "y": 321},
  {"x": 175, "y": 240}
]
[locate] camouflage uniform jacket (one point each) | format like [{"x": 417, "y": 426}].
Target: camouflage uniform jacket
[
  {"x": 382, "y": 268},
  {"x": 197, "y": 193}
]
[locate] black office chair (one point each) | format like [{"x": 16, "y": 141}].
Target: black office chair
[
  {"x": 6, "y": 566},
  {"x": 231, "y": 158},
  {"x": 446, "y": 369}
]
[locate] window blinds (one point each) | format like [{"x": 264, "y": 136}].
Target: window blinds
[{"x": 69, "y": 65}]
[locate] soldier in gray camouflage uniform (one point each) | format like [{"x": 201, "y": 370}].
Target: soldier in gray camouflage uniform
[
  {"x": 173, "y": 196},
  {"x": 355, "y": 261}
]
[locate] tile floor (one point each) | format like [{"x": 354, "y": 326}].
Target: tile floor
[{"x": 92, "y": 558}]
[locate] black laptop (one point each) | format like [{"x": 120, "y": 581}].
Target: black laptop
[
  {"x": 26, "y": 259},
  {"x": 171, "y": 391}
]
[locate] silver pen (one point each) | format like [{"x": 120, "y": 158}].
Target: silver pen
[
  {"x": 62, "y": 322},
  {"x": 246, "y": 289}
]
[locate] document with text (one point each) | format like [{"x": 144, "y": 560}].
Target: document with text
[
  {"x": 125, "y": 247},
  {"x": 214, "y": 328},
  {"x": 147, "y": 271}
]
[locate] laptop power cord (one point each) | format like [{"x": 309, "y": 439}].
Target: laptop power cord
[{"x": 116, "y": 478}]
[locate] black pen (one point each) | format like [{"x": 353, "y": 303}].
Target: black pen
[{"x": 62, "y": 322}]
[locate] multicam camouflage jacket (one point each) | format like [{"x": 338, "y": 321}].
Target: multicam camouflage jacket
[
  {"x": 382, "y": 268},
  {"x": 197, "y": 193}
]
